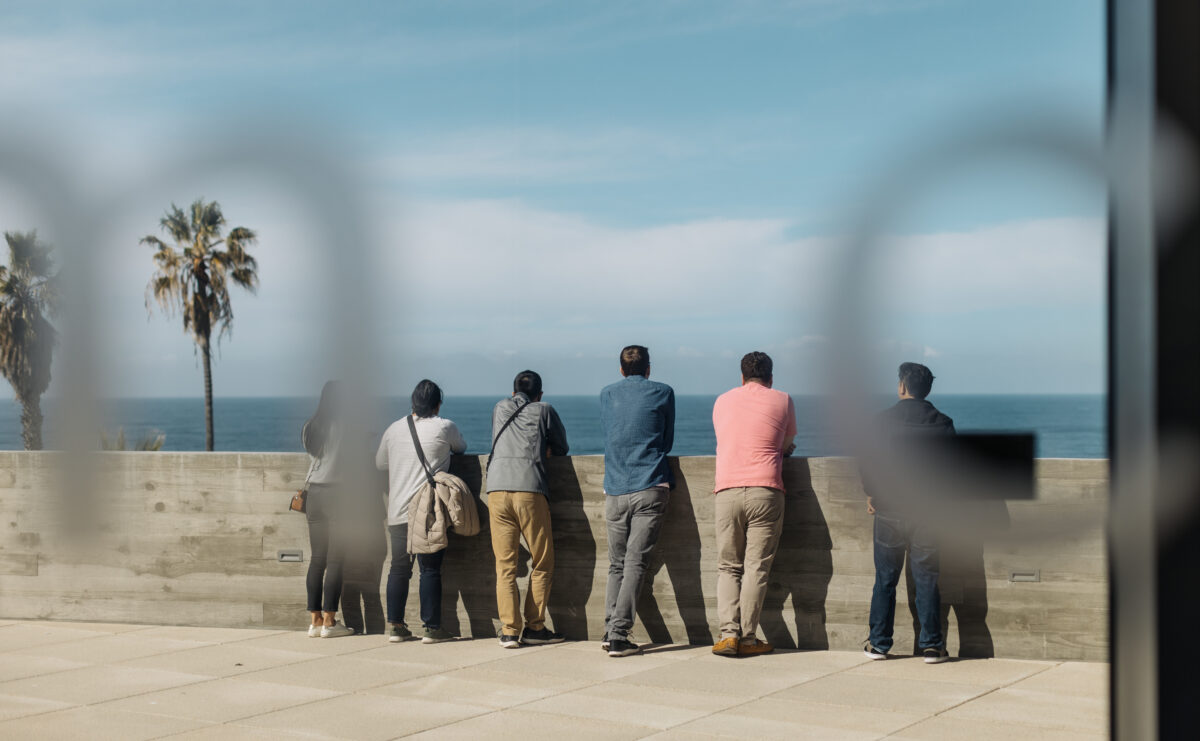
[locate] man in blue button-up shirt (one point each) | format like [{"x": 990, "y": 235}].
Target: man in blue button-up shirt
[{"x": 638, "y": 417}]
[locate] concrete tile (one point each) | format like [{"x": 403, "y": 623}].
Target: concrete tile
[
  {"x": 221, "y": 660},
  {"x": 945, "y": 728},
  {"x": 17, "y": 666},
  {"x": 862, "y": 692},
  {"x": 724, "y": 676},
  {"x": 679, "y": 734},
  {"x": 93, "y": 724},
  {"x": 206, "y": 635},
  {"x": 595, "y": 666},
  {"x": 221, "y": 700},
  {"x": 232, "y": 732},
  {"x": 366, "y": 717},
  {"x": 464, "y": 652},
  {"x": 298, "y": 640},
  {"x": 1038, "y": 709},
  {"x": 16, "y": 706},
  {"x": 483, "y": 686},
  {"x": 662, "y": 708},
  {"x": 732, "y": 725},
  {"x": 1076, "y": 679},
  {"x": 92, "y": 684},
  {"x": 831, "y": 718},
  {"x": 110, "y": 649},
  {"x": 985, "y": 672},
  {"x": 346, "y": 673},
  {"x": 523, "y": 725},
  {"x": 24, "y": 636}
]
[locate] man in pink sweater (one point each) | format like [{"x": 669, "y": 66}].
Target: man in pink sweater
[{"x": 755, "y": 427}]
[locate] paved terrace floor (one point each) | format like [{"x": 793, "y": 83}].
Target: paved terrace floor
[{"x": 101, "y": 681}]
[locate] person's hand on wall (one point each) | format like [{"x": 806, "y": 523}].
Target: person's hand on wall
[{"x": 870, "y": 506}]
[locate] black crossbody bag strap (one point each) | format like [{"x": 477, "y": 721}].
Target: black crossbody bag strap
[
  {"x": 412, "y": 427},
  {"x": 501, "y": 432}
]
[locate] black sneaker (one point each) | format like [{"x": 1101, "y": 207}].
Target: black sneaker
[
  {"x": 873, "y": 653},
  {"x": 540, "y": 637},
  {"x": 935, "y": 655},
  {"x": 622, "y": 647},
  {"x": 605, "y": 644},
  {"x": 509, "y": 641}
]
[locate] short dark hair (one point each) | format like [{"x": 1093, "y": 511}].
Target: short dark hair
[
  {"x": 528, "y": 383},
  {"x": 757, "y": 365},
  {"x": 635, "y": 361},
  {"x": 917, "y": 379},
  {"x": 426, "y": 398}
]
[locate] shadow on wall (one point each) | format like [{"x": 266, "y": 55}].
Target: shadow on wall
[
  {"x": 574, "y": 552},
  {"x": 681, "y": 559},
  {"x": 469, "y": 570},
  {"x": 803, "y": 567}
]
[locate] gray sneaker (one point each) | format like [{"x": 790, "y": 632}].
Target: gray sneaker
[
  {"x": 397, "y": 633},
  {"x": 436, "y": 635}
]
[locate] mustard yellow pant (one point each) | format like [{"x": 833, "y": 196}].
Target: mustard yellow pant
[{"x": 513, "y": 515}]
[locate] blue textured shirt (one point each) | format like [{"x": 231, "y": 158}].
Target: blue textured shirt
[{"x": 638, "y": 417}]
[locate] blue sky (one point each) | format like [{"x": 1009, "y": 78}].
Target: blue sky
[{"x": 677, "y": 174}]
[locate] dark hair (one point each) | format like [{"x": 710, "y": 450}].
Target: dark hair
[
  {"x": 757, "y": 365},
  {"x": 528, "y": 383},
  {"x": 917, "y": 379},
  {"x": 426, "y": 398},
  {"x": 635, "y": 361},
  {"x": 316, "y": 429}
]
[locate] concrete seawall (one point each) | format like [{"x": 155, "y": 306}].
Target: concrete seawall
[{"x": 193, "y": 538}]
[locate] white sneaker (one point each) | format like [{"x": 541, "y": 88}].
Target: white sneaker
[
  {"x": 337, "y": 630},
  {"x": 314, "y": 631}
]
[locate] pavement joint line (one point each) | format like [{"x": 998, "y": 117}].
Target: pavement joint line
[{"x": 974, "y": 698}]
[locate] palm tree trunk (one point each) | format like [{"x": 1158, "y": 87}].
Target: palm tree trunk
[
  {"x": 31, "y": 421},
  {"x": 206, "y": 353}
]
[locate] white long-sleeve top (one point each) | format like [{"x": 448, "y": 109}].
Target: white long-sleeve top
[{"x": 397, "y": 455}]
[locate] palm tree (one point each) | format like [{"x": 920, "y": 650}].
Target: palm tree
[
  {"x": 193, "y": 277},
  {"x": 28, "y": 293}
]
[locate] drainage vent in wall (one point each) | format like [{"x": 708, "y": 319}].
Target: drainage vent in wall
[
  {"x": 1028, "y": 575},
  {"x": 295, "y": 556}
]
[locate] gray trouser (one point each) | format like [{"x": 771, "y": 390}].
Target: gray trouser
[{"x": 634, "y": 521}]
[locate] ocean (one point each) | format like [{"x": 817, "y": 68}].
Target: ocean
[{"x": 1065, "y": 426}]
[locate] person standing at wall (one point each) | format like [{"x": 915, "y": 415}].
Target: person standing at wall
[
  {"x": 755, "y": 426},
  {"x": 524, "y": 431},
  {"x": 322, "y": 436},
  {"x": 900, "y": 530},
  {"x": 438, "y": 438},
  {"x": 638, "y": 417}
]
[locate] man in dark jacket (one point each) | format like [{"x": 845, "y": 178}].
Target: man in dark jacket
[
  {"x": 524, "y": 431},
  {"x": 900, "y": 530}
]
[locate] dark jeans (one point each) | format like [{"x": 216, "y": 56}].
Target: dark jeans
[
  {"x": 895, "y": 536},
  {"x": 400, "y": 574},
  {"x": 634, "y": 523},
  {"x": 324, "y": 582}
]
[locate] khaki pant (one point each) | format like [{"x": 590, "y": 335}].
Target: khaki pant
[
  {"x": 515, "y": 514},
  {"x": 749, "y": 521}
]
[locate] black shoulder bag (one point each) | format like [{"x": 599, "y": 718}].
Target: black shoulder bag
[
  {"x": 412, "y": 427},
  {"x": 492, "y": 454}
]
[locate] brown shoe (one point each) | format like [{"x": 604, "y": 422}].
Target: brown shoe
[
  {"x": 727, "y": 646},
  {"x": 754, "y": 647}
]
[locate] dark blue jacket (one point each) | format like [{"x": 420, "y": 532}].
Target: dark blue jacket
[{"x": 638, "y": 417}]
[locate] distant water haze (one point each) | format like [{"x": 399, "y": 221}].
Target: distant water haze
[{"x": 1066, "y": 426}]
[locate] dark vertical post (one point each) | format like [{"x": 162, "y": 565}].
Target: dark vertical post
[
  {"x": 1177, "y": 91},
  {"x": 1131, "y": 372}
]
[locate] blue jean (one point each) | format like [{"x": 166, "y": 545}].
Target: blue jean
[
  {"x": 634, "y": 522},
  {"x": 894, "y": 537},
  {"x": 400, "y": 574},
  {"x": 327, "y": 540}
]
